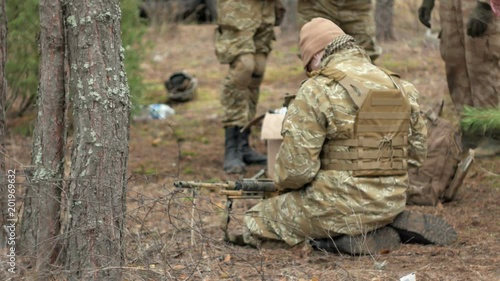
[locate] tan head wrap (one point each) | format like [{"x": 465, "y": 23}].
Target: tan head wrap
[{"x": 315, "y": 36}]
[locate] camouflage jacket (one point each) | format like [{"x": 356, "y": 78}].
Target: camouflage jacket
[{"x": 321, "y": 202}]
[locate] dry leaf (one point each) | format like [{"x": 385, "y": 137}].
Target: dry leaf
[
  {"x": 227, "y": 258},
  {"x": 380, "y": 265},
  {"x": 178, "y": 267},
  {"x": 439, "y": 207},
  {"x": 156, "y": 142}
]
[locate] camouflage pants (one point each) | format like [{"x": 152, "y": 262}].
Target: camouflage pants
[
  {"x": 472, "y": 64},
  {"x": 283, "y": 218},
  {"x": 243, "y": 40},
  {"x": 354, "y": 17},
  {"x": 240, "y": 91}
]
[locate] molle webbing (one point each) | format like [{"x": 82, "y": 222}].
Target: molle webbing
[
  {"x": 380, "y": 143},
  {"x": 366, "y": 157}
]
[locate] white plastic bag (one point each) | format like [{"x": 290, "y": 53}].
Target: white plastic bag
[
  {"x": 160, "y": 111},
  {"x": 409, "y": 277}
]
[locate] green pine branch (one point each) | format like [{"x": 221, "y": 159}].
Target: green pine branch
[{"x": 480, "y": 120}]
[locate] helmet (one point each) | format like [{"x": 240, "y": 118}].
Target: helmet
[{"x": 181, "y": 87}]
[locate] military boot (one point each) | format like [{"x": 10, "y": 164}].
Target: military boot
[
  {"x": 250, "y": 156},
  {"x": 416, "y": 227},
  {"x": 487, "y": 147},
  {"x": 375, "y": 242},
  {"x": 233, "y": 159}
]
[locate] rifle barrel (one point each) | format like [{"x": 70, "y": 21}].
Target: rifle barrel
[
  {"x": 207, "y": 185},
  {"x": 244, "y": 185}
]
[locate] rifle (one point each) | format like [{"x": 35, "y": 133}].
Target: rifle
[
  {"x": 252, "y": 188},
  {"x": 241, "y": 189}
]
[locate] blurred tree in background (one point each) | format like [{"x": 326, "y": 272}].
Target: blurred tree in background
[
  {"x": 22, "y": 62},
  {"x": 133, "y": 30},
  {"x": 22, "y": 68},
  {"x": 384, "y": 14}
]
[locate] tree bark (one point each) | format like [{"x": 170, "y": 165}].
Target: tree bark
[
  {"x": 101, "y": 107},
  {"x": 384, "y": 11},
  {"x": 3, "y": 97},
  {"x": 41, "y": 217}
]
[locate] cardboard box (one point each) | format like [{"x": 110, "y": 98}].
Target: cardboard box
[{"x": 271, "y": 133}]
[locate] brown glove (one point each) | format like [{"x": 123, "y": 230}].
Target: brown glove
[{"x": 424, "y": 12}]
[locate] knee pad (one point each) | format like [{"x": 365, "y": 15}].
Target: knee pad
[
  {"x": 258, "y": 73},
  {"x": 242, "y": 69},
  {"x": 260, "y": 65}
]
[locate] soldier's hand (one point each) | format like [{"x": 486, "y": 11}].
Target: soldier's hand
[
  {"x": 424, "y": 12},
  {"x": 479, "y": 20}
]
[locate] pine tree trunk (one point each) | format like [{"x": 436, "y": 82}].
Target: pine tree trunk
[
  {"x": 41, "y": 221},
  {"x": 101, "y": 107},
  {"x": 384, "y": 12},
  {"x": 290, "y": 21},
  {"x": 3, "y": 95}
]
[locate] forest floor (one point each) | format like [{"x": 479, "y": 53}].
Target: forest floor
[{"x": 170, "y": 239}]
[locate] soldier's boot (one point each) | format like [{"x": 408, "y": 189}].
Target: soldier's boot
[
  {"x": 233, "y": 159},
  {"x": 375, "y": 242},
  {"x": 487, "y": 147},
  {"x": 250, "y": 156},
  {"x": 416, "y": 227}
]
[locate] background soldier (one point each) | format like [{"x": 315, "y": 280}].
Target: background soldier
[
  {"x": 355, "y": 17},
  {"x": 470, "y": 48},
  {"x": 242, "y": 40}
]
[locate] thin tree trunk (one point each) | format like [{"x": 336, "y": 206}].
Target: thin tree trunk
[
  {"x": 101, "y": 106},
  {"x": 290, "y": 21},
  {"x": 384, "y": 11},
  {"x": 3, "y": 95},
  {"x": 41, "y": 218}
]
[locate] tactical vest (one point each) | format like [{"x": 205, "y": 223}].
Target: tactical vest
[{"x": 380, "y": 143}]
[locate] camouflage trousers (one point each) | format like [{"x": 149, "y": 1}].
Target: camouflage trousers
[
  {"x": 240, "y": 91},
  {"x": 354, "y": 17},
  {"x": 472, "y": 64},
  {"x": 243, "y": 39},
  {"x": 282, "y": 218},
  {"x": 297, "y": 216}
]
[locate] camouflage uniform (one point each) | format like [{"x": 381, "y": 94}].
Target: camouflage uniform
[
  {"x": 243, "y": 40},
  {"x": 323, "y": 203},
  {"x": 354, "y": 17},
  {"x": 472, "y": 64}
]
